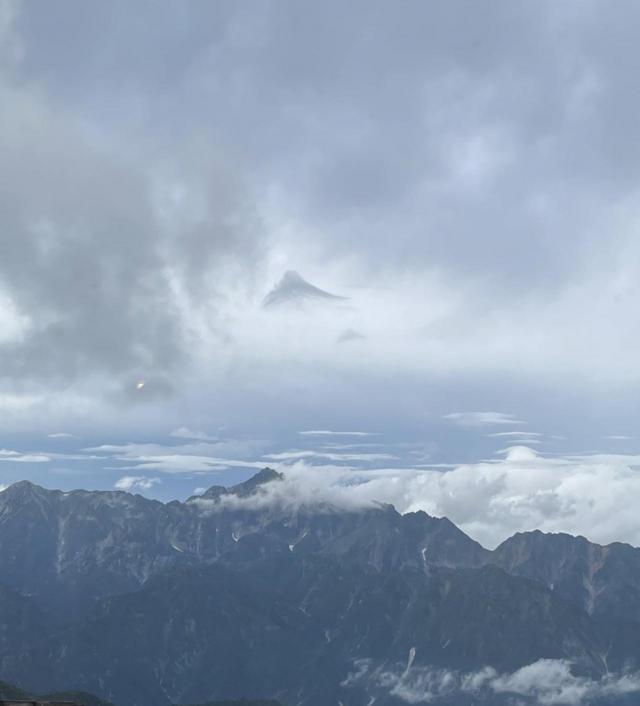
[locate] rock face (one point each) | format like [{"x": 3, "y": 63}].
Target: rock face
[
  {"x": 604, "y": 581},
  {"x": 221, "y": 597}
]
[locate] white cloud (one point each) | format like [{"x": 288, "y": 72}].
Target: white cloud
[
  {"x": 186, "y": 433},
  {"x": 547, "y": 682},
  {"x": 521, "y": 434},
  {"x": 19, "y": 403},
  {"x": 479, "y": 419},
  {"x": 200, "y": 457},
  {"x": 131, "y": 483},
  {"x": 593, "y": 495},
  {"x": 328, "y": 432},
  {"x": 17, "y": 457},
  {"x": 551, "y": 683},
  {"x": 365, "y": 457},
  {"x": 174, "y": 463},
  {"x": 241, "y": 447},
  {"x": 13, "y": 325},
  {"x": 517, "y": 490},
  {"x": 61, "y": 435},
  {"x": 321, "y": 487}
]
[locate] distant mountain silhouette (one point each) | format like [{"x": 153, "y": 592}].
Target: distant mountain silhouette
[{"x": 293, "y": 288}]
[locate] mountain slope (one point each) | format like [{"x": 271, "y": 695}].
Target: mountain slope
[
  {"x": 69, "y": 550},
  {"x": 291, "y": 626},
  {"x": 223, "y": 597},
  {"x": 604, "y": 580}
]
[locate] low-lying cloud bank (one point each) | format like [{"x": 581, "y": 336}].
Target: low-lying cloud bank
[
  {"x": 547, "y": 682},
  {"x": 520, "y": 489},
  {"x": 592, "y": 495}
]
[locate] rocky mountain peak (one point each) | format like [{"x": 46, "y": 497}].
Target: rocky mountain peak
[
  {"x": 266, "y": 475},
  {"x": 24, "y": 490},
  {"x": 247, "y": 487}
]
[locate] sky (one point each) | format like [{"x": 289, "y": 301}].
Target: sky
[{"x": 226, "y": 225}]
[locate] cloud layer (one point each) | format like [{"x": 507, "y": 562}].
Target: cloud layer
[
  {"x": 466, "y": 177},
  {"x": 544, "y": 683},
  {"x": 591, "y": 495},
  {"x": 519, "y": 490},
  {"x": 515, "y": 489}
]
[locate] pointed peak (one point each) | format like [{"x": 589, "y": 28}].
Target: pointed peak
[
  {"x": 292, "y": 277},
  {"x": 24, "y": 485},
  {"x": 266, "y": 475},
  {"x": 247, "y": 487},
  {"x": 293, "y": 287},
  {"x": 212, "y": 493},
  {"x": 24, "y": 489}
]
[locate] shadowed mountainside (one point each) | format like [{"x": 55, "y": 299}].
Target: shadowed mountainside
[{"x": 223, "y": 597}]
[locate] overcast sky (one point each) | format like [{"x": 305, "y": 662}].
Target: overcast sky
[{"x": 462, "y": 177}]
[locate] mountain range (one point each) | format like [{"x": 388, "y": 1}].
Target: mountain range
[{"x": 227, "y": 596}]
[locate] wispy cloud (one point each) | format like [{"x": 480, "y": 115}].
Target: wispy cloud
[
  {"x": 18, "y": 457},
  {"x": 480, "y": 419},
  {"x": 172, "y": 463},
  {"x": 132, "y": 483},
  {"x": 365, "y": 457},
  {"x": 328, "y": 432},
  {"x": 186, "y": 433},
  {"x": 521, "y": 434},
  {"x": 200, "y": 457}
]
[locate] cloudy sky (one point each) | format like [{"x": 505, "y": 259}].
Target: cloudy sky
[{"x": 224, "y": 224}]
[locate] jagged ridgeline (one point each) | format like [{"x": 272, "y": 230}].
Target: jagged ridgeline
[
  {"x": 12, "y": 694},
  {"x": 229, "y": 596}
]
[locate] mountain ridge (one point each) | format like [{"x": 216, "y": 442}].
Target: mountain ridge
[{"x": 195, "y": 601}]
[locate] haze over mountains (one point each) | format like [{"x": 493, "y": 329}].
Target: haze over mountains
[{"x": 232, "y": 594}]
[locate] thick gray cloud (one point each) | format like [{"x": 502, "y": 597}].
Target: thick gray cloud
[
  {"x": 483, "y": 139},
  {"x": 464, "y": 174},
  {"x": 492, "y": 143},
  {"x": 105, "y": 243}
]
